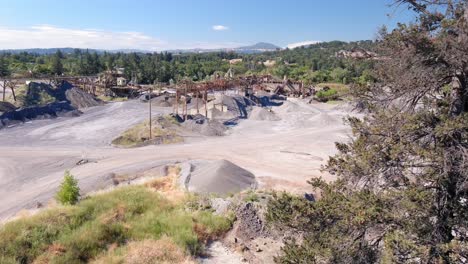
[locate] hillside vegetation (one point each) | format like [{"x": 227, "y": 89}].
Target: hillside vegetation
[
  {"x": 313, "y": 64},
  {"x": 128, "y": 225},
  {"x": 401, "y": 191}
]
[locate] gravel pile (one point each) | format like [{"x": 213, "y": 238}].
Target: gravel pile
[
  {"x": 6, "y": 107},
  {"x": 38, "y": 112},
  {"x": 262, "y": 114},
  {"x": 217, "y": 114},
  {"x": 163, "y": 101},
  {"x": 220, "y": 177},
  {"x": 42, "y": 94},
  {"x": 236, "y": 104},
  {"x": 288, "y": 107},
  {"x": 200, "y": 124},
  {"x": 81, "y": 99},
  {"x": 43, "y": 101}
]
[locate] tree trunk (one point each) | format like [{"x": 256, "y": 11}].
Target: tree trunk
[
  {"x": 4, "y": 90},
  {"x": 460, "y": 94},
  {"x": 12, "y": 87}
]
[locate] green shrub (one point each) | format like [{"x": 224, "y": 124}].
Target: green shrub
[
  {"x": 69, "y": 192},
  {"x": 326, "y": 95},
  {"x": 80, "y": 233}
]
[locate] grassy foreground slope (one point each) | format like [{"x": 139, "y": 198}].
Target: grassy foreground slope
[{"x": 128, "y": 225}]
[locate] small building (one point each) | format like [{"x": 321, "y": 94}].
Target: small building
[
  {"x": 121, "y": 81},
  {"x": 235, "y": 61},
  {"x": 269, "y": 63},
  {"x": 120, "y": 71}
]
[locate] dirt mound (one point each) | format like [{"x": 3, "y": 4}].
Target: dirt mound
[
  {"x": 200, "y": 124},
  {"x": 43, "y": 94},
  {"x": 262, "y": 114},
  {"x": 6, "y": 107},
  {"x": 192, "y": 103},
  {"x": 163, "y": 101},
  {"x": 38, "y": 94},
  {"x": 43, "y": 101},
  {"x": 39, "y": 112},
  {"x": 266, "y": 99},
  {"x": 288, "y": 107},
  {"x": 217, "y": 114},
  {"x": 164, "y": 131},
  {"x": 80, "y": 99},
  {"x": 221, "y": 177}
]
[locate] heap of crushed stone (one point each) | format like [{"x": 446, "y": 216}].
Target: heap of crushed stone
[
  {"x": 220, "y": 177},
  {"x": 218, "y": 114},
  {"x": 6, "y": 107},
  {"x": 288, "y": 107},
  {"x": 163, "y": 101},
  {"x": 81, "y": 99},
  {"x": 262, "y": 114},
  {"x": 44, "y": 101},
  {"x": 238, "y": 105},
  {"x": 38, "y": 93},
  {"x": 200, "y": 124}
]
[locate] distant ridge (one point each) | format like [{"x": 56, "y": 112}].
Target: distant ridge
[
  {"x": 256, "y": 48},
  {"x": 260, "y": 46},
  {"x": 47, "y": 51}
]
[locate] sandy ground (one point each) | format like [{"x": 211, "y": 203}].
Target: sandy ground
[{"x": 283, "y": 155}]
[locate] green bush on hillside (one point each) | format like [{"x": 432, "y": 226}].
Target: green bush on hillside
[
  {"x": 326, "y": 95},
  {"x": 69, "y": 192},
  {"x": 107, "y": 225}
]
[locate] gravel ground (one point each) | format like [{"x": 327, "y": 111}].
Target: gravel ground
[{"x": 282, "y": 155}]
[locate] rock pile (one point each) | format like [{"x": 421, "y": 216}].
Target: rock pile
[
  {"x": 220, "y": 177},
  {"x": 202, "y": 125},
  {"x": 263, "y": 114}
]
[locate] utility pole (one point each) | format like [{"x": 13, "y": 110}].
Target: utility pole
[{"x": 150, "y": 119}]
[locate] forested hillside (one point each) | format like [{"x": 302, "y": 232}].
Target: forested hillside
[{"x": 313, "y": 64}]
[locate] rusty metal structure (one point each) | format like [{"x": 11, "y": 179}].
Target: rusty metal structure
[
  {"x": 95, "y": 85},
  {"x": 184, "y": 90},
  {"x": 87, "y": 83},
  {"x": 247, "y": 86}
]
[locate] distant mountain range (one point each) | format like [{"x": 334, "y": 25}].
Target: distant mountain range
[
  {"x": 261, "y": 47},
  {"x": 46, "y": 51},
  {"x": 256, "y": 48}
]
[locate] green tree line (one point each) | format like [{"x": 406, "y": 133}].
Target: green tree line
[{"x": 314, "y": 64}]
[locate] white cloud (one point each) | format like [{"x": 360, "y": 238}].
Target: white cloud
[
  {"x": 220, "y": 28},
  {"x": 46, "y": 36},
  {"x": 303, "y": 43}
]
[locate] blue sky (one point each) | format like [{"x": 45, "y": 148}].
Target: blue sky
[{"x": 159, "y": 25}]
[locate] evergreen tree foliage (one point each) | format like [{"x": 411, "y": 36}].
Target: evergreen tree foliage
[
  {"x": 69, "y": 191},
  {"x": 56, "y": 64},
  {"x": 402, "y": 189}
]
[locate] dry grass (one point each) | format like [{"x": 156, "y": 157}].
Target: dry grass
[
  {"x": 149, "y": 251},
  {"x": 115, "y": 214},
  {"x": 163, "y": 132},
  {"x": 52, "y": 251},
  {"x": 342, "y": 89},
  {"x": 134, "y": 224},
  {"x": 112, "y": 99},
  {"x": 168, "y": 185},
  {"x": 160, "y": 251},
  {"x": 20, "y": 92}
]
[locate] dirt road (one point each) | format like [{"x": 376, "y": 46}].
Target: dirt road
[{"x": 282, "y": 154}]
